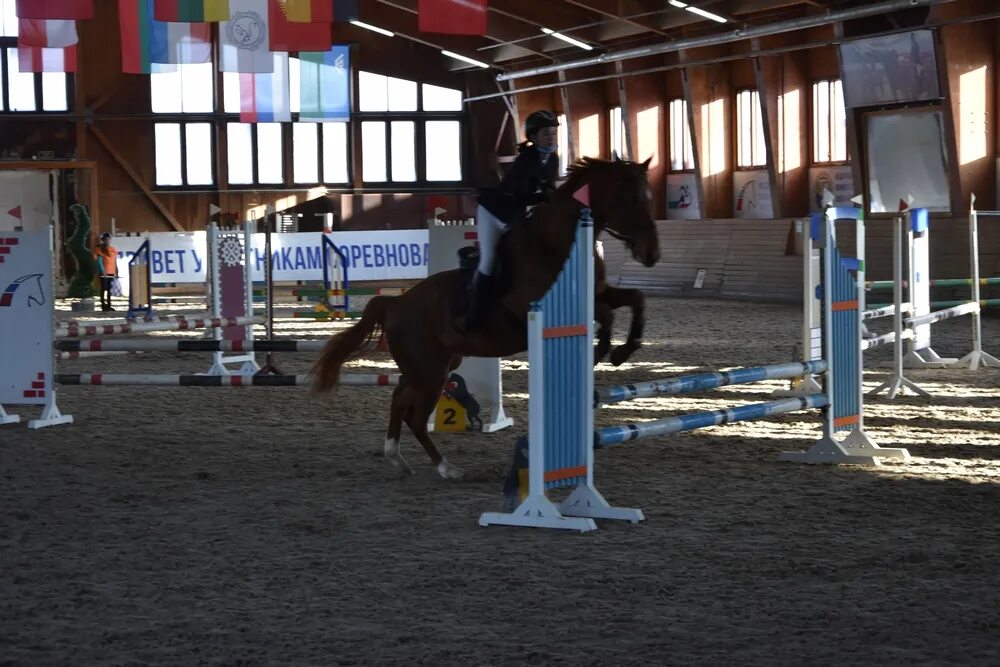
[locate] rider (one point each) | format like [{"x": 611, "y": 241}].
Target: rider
[{"x": 528, "y": 182}]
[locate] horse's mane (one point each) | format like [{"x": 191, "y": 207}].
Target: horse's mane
[{"x": 577, "y": 173}]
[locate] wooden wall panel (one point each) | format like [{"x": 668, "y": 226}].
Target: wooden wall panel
[
  {"x": 971, "y": 57},
  {"x": 711, "y": 101}
]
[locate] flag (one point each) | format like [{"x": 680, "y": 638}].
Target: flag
[
  {"x": 55, "y": 9},
  {"x": 243, "y": 38},
  {"x": 288, "y": 36},
  {"x": 454, "y": 17},
  {"x": 37, "y": 59},
  {"x": 15, "y": 212},
  {"x": 345, "y": 11},
  {"x": 264, "y": 97},
  {"x": 325, "y": 85},
  {"x": 147, "y": 43},
  {"x": 191, "y": 11},
  {"x": 48, "y": 33},
  {"x": 308, "y": 11}
]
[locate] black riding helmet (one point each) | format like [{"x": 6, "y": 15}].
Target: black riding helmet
[{"x": 537, "y": 120}]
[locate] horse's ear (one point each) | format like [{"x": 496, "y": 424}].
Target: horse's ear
[{"x": 645, "y": 165}]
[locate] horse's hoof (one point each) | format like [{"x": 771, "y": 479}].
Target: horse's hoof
[
  {"x": 621, "y": 354},
  {"x": 400, "y": 465},
  {"x": 448, "y": 471}
]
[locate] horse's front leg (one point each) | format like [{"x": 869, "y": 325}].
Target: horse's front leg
[
  {"x": 605, "y": 318},
  {"x": 616, "y": 297}
]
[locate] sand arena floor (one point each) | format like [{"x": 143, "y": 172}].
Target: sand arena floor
[{"x": 261, "y": 526}]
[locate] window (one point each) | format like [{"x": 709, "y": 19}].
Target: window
[
  {"x": 319, "y": 153},
  {"x": 319, "y": 150},
  {"x": 829, "y": 122},
  {"x": 437, "y": 98},
  {"x": 681, "y": 154},
  {"x": 444, "y": 162},
  {"x": 410, "y": 132},
  {"x": 184, "y": 149},
  {"x": 26, "y": 91},
  {"x": 619, "y": 145},
  {"x": 750, "y": 149},
  {"x": 255, "y": 153}
]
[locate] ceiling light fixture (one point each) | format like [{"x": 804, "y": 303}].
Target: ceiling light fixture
[
  {"x": 568, "y": 39},
  {"x": 466, "y": 59},
  {"x": 678, "y": 3},
  {"x": 373, "y": 28},
  {"x": 708, "y": 15}
]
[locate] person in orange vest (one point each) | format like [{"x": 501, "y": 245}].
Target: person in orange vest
[{"x": 107, "y": 260}]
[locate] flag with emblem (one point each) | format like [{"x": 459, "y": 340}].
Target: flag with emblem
[
  {"x": 308, "y": 11},
  {"x": 243, "y": 38},
  {"x": 325, "y": 85},
  {"x": 284, "y": 35},
  {"x": 191, "y": 11}
]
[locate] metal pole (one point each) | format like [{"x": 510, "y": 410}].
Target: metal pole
[{"x": 739, "y": 34}]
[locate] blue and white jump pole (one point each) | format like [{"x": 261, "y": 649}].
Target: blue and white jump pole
[
  {"x": 562, "y": 399},
  {"x": 561, "y": 409}
]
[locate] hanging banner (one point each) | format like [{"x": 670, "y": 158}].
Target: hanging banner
[
  {"x": 752, "y": 195},
  {"x": 682, "y": 197},
  {"x": 834, "y": 181},
  {"x": 375, "y": 255}
]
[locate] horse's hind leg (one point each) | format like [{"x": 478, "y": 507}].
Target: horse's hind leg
[
  {"x": 616, "y": 297},
  {"x": 605, "y": 318},
  {"x": 424, "y": 400},
  {"x": 402, "y": 400}
]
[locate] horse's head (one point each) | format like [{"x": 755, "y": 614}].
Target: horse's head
[{"x": 621, "y": 203}]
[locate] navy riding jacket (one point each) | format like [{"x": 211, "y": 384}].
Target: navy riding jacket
[{"x": 527, "y": 183}]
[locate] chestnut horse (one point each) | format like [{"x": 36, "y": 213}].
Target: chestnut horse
[{"x": 419, "y": 326}]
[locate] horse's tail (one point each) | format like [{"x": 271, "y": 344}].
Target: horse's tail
[{"x": 326, "y": 371}]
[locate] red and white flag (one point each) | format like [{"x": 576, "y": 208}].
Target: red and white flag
[
  {"x": 453, "y": 17},
  {"x": 55, "y": 9},
  {"x": 47, "y": 33},
  {"x": 37, "y": 59}
]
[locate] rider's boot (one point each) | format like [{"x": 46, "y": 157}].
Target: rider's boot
[{"x": 479, "y": 301}]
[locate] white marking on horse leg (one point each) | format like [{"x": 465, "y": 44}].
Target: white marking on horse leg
[
  {"x": 448, "y": 471},
  {"x": 395, "y": 458}
]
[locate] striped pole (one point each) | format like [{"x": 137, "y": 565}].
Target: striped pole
[
  {"x": 614, "y": 435},
  {"x": 688, "y": 384},
  {"x": 166, "y": 345},
  {"x": 320, "y": 292},
  {"x": 940, "y": 282},
  {"x": 144, "y": 327},
  {"x": 149, "y": 380},
  {"x": 328, "y": 314},
  {"x": 940, "y": 315},
  {"x": 951, "y": 303},
  {"x": 65, "y": 324},
  {"x": 87, "y": 355}
]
